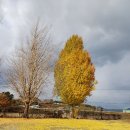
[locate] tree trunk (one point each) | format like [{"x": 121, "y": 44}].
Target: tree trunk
[
  {"x": 72, "y": 112},
  {"x": 26, "y": 111},
  {"x": 3, "y": 112}
]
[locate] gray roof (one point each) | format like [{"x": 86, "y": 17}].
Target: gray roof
[{"x": 127, "y": 109}]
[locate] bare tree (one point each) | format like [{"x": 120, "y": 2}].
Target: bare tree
[{"x": 29, "y": 68}]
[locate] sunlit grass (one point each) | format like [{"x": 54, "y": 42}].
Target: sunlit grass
[{"x": 61, "y": 124}]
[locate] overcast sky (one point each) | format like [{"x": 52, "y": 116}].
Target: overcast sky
[{"x": 104, "y": 26}]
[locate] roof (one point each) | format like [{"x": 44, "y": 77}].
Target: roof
[{"x": 127, "y": 109}]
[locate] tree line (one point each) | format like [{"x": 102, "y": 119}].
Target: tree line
[{"x": 29, "y": 70}]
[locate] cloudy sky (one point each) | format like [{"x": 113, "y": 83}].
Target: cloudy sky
[{"x": 104, "y": 26}]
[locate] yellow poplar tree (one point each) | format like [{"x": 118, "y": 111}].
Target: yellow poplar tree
[{"x": 74, "y": 73}]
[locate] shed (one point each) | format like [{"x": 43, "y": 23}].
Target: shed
[{"x": 126, "y": 110}]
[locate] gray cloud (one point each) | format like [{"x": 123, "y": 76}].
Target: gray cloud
[
  {"x": 103, "y": 24},
  {"x": 114, "y": 84}
]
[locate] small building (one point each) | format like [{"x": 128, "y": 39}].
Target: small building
[
  {"x": 34, "y": 106},
  {"x": 126, "y": 110}
]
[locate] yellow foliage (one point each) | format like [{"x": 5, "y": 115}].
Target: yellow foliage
[{"x": 74, "y": 72}]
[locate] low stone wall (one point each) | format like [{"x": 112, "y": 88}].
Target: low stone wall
[
  {"x": 99, "y": 115},
  {"x": 66, "y": 114}
]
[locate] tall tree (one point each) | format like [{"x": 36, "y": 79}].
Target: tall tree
[
  {"x": 74, "y": 73},
  {"x": 29, "y": 69}
]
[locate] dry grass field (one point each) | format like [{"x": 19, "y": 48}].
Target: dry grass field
[{"x": 61, "y": 124}]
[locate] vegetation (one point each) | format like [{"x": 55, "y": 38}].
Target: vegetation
[
  {"x": 61, "y": 124},
  {"x": 4, "y": 102},
  {"x": 74, "y": 73},
  {"x": 9, "y": 95},
  {"x": 29, "y": 68}
]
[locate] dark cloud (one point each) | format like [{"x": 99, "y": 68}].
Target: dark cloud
[
  {"x": 103, "y": 24},
  {"x": 1, "y": 13}
]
